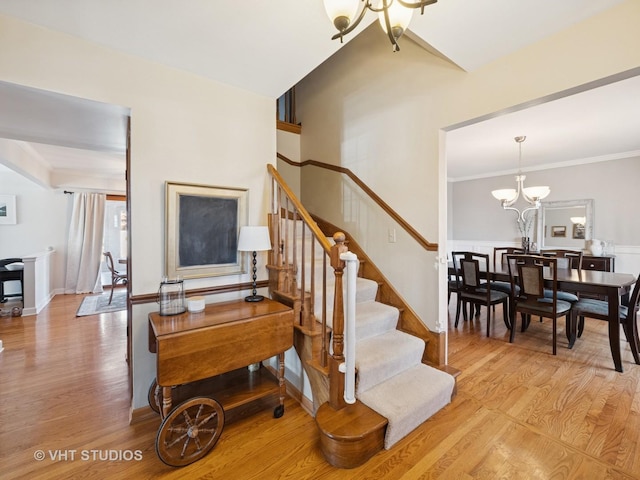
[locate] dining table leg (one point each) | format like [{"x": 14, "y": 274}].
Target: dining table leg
[{"x": 614, "y": 327}]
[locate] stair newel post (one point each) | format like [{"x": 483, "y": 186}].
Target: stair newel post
[{"x": 336, "y": 386}]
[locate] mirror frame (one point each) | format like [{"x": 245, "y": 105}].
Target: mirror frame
[{"x": 588, "y": 227}]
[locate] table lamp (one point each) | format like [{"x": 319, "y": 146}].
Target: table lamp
[{"x": 254, "y": 239}]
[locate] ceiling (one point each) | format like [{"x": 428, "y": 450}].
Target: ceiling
[{"x": 267, "y": 47}]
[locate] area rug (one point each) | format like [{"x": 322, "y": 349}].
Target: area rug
[{"x": 96, "y": 304}]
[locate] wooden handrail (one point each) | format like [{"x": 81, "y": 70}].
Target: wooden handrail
[
  {"x": 427, "y": 245},
  {"x": 326, "y": 246}
]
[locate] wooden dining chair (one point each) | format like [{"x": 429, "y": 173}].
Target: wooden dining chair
[
  {"x": 528, "y": 273},
  {"x": 500, "y": 262},
  {"x": 116, "y": 276},
  {"x": 599, "y": 310},
  {"x": 567, "y": 260},
  {"x": 474, "y": 291}
]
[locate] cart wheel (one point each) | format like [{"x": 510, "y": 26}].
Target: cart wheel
[
  {"x": 189, "y": 431},
  {"x": 278, "y": 411},
  {"x": 155, "y": 399}
]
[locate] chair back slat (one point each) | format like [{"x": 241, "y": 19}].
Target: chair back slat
[{"x": 470, "y": 273}]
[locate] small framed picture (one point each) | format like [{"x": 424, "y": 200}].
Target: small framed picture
[
  {"x": 559, "y": 231},
  {"x": 7, "y": 209},
  {"x": 578, "y": 231}
]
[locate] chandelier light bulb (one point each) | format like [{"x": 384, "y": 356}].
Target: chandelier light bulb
[
  {"x": 341, "y": 12},
  {"x": 399, "y": 17}
]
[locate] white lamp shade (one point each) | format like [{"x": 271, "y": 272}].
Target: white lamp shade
[
  {"x": 578, "y": 220},
  {"x": 507, "y": 194},
  {"x": 399, "y": 16},
  {"x": 538, "y": 192},
  {"x": 254, "y": 239},
  {"x": 341, "y": 8}
]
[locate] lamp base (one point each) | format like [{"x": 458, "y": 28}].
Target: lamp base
[{"x": 253, "y": 298}]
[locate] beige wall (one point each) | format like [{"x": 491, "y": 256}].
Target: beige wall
[
  {"x": 184, "y": 129},
  {"x": 380, "y": 114}
]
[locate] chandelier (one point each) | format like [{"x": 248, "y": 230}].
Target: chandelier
[
  {"x": 533, "y": 195},
  {"x": 394, "y": 16}
]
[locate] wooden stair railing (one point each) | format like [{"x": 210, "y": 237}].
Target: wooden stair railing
[{"x": 288, "y": 222}]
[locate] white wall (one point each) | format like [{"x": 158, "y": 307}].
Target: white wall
[
  {"x": 288, "y": 144},
  {"x": 379, "y": 114},
  {"x": 184, "y": 129},
  {"x": 42, "y": 220}
]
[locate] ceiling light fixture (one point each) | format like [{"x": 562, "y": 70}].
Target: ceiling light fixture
[
  {"x": 533, "y": 195},
  {"x": 394, "y": 16}
]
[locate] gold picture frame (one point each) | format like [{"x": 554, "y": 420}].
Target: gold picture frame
[
  {"x": 202, "y": 225},
  {"x": 559, "y": 231}
]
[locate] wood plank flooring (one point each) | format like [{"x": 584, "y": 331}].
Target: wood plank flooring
[{"x": 520, "y": 412}]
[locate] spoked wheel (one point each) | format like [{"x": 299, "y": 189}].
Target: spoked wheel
[
  {"x": 189, "y": 431},
  {"x": 155, "y": 396}
]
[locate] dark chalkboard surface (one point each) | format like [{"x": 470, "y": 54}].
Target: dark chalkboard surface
[{"x": 208, "y": 229}]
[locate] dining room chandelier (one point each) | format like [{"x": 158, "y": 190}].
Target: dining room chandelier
[
  {"x": 533, "y": 195},
  {"x": 394, "y": 15}
]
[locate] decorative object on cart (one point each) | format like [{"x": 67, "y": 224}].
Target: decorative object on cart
[
  {"x": 394, "y": 16},
  {"x": 195, "y": 304},
  {"x": 202, "y": 225},
  {"x": 254, "y": 239},
  {"x": 171, "y": 296},
  {"x": 533, "y": 195},
  {"x": 8, "y": 210}
]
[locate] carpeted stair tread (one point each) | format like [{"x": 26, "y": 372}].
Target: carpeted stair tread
[
  {"x": 409, "y": 399},
  {"x": 384, "y": 356},
  {"x": 374, "y": 318}
]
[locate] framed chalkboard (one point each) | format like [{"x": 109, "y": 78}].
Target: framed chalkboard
[{"x": 202, "y": 227}]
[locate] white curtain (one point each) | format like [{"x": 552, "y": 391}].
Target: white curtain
[{"x": 84, "y": 246}]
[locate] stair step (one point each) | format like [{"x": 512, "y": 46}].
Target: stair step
[
  {"x": 384, "y": 356},
  {"x": 409, "y": 399},
  {"x": 351, "y": 435},
  {"x": 374, "y": 318}
]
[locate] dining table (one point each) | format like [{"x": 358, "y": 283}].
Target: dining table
[{"x": 613, "y": 286}]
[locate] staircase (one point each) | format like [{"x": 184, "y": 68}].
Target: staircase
[{"x": 395, "y": 390}]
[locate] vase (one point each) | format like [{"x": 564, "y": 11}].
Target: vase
[{"x": 526, "y": 244}]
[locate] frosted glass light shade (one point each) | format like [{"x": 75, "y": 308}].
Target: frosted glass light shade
[
  {"x": 254, "y": 239},
  {"x": 341, "y": 8},
  {"x": 538, "y": 192},
  {"x": 507, "y": 194},
  {"x": 399, "y": 17}
]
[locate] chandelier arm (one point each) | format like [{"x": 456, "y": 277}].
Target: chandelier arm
[
  {"x": 419, "y": 5},
  {"x": 354, "y": 24},
  {"x": 535, "y": 207},
  {"x": 392, "y": 38},
  {"x": 383, "y": 8},
  {"x": 506, "y": 207}
]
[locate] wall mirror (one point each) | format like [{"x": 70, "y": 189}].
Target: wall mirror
[{"x": 567, "y": 224}]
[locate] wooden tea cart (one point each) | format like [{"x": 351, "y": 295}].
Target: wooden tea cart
[{"x": 203, "y": 365}]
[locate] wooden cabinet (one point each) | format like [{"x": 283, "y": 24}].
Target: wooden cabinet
[{"x": 601, "y": 264}]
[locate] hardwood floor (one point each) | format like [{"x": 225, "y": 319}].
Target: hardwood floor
[{"x": 520, "y": 412}]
